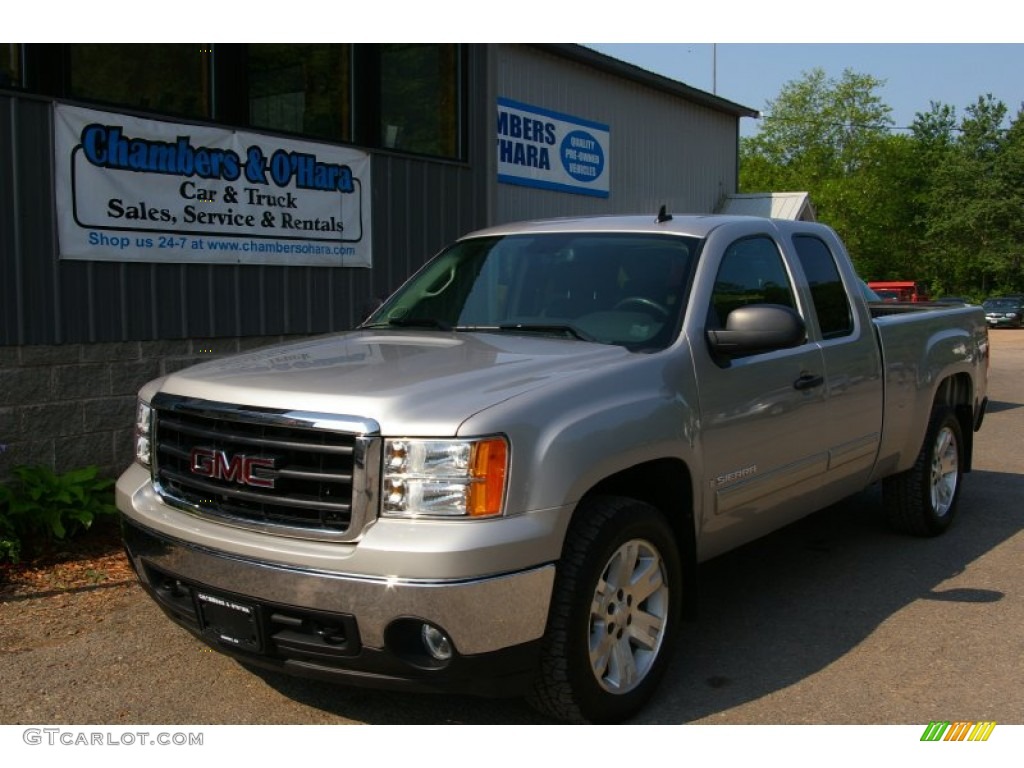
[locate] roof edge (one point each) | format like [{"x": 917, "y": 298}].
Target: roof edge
[{"x": 609, "y": 64}]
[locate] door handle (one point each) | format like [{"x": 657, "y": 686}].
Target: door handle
[{"x": 808, "y": 381}]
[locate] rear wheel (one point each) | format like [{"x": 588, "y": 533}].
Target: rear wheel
[
  {"x": 923, "y": 500},
  {"x": 613, "y": 615}
]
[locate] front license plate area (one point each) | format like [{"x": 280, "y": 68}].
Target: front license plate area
[{"x": 227, "y": 621}]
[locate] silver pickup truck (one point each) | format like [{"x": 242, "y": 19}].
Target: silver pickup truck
[{"x": 504, "y": 480}]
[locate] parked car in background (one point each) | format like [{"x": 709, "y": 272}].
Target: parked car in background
[{"x": 1004, "y": 311}]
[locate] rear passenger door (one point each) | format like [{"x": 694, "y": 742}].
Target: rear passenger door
[{"x": 853, "y": 370}]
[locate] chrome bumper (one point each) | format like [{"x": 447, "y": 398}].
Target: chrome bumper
[{"x": 479, "y": 616}]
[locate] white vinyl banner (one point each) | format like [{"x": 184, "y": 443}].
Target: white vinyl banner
[{"x": 132, "y": 189}]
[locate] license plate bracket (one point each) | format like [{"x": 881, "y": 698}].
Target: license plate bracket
[{"x": 228, "y": 621}]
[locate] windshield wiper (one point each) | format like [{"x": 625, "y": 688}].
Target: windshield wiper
[
  {"x": 441, "y": 325},
  {"x": 566, "y": 330},
  {"x": 420, "y": 322}
]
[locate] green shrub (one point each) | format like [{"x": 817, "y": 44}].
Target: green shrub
[{"x": 39, "y": 505}]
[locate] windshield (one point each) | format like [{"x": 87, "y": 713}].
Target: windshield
[
  {"x": 1008, "y": 305},
  {"x": 625, "y": 289}
]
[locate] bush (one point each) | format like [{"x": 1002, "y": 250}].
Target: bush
[{"x": 41, "y": 506}]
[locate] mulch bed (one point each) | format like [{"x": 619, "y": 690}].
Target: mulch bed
[{"x": 93, "y": 559}]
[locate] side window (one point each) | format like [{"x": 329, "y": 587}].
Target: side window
[
  {"x": 831, "y": 303},
  {"x": 751, "y": 272}
]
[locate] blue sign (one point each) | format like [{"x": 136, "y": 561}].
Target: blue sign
[{"x": 549, "y": 150}]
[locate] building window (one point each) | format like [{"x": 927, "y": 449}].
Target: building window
[
  {"x": 402, "y": 97},
  {"x": 173, "y": 78},
  {"x": 301, "y": 88},
  {"x": 10, "y": 64},
  {"x": 420, "y": 87}
]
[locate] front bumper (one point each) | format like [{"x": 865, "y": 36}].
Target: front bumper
[
  {"x": 356, "y": 631},
  {"x": 1004, "y": 322}
]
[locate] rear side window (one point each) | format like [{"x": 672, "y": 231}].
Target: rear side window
[{"x": 831, "y": 304}]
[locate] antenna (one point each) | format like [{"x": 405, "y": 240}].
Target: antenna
[{"x": 663, "y": 216}]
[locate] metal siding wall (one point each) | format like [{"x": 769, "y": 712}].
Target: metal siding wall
[
  {"x": 9, "y": 248},
  {"x": 419, "y": 205},
  {"x": 664, "y": 150},
  {"x": 27, "y": 174}
]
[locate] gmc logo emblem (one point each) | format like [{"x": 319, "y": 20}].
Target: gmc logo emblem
[{"x": 239, "y": 468}]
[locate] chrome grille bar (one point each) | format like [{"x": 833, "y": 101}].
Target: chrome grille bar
[{"x": 315, "y": 474}]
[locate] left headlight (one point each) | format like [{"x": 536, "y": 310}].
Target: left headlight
[
  {"x": 143, "y": 434},
  {"x": 444, "y": 478}
]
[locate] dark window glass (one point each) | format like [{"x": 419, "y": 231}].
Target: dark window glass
[
  {"x": 173, "y": 78},
  {"x": 623, "y": 289},
  {"x": 419, "y": 98},
  {"x": 751, "y": 272},
  {"x": 10, "y": 64},
  {"x": 301, "y": 88},
  {"x": 830, "y": 301}
]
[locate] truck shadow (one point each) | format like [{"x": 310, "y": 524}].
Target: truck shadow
[
  {"x": 997, "y": 406},
  {"x": 772, "y": 613},
  {"x": 781, "y": 609}
]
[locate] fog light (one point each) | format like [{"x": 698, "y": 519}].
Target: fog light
[{"x": 436, "y": 642}]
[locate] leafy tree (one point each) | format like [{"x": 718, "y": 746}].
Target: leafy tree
[
  {"x": 972, "y": 203},
  {"x": 941, "y": 203},
  {"x": 831, "y": 137},
  {"x": 820, "y": 125}
]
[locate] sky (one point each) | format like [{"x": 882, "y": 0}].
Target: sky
[{"x": 915, "y": 74}]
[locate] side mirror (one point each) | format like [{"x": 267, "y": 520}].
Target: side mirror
[{"x": 758, "y": 328}]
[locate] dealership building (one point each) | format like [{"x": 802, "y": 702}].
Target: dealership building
[{"x": 164, "y": 203}]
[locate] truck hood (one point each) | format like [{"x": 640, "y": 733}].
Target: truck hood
[{"x": 411, "y": 383}]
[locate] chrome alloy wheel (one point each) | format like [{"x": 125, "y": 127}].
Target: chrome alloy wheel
[
  {"x": 628, "y": 616},
  {"x": 944, "y": 474}
]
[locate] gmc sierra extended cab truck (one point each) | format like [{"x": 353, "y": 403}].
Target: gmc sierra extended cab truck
[{"x": 504, "y": 480}]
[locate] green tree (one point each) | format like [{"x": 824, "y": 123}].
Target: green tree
[
  {"x": 972, "y": 203},
  {"x": 832, "y": 138},
  {"x": 820, "y": 125},
  {"x": 941, "y": 203}
]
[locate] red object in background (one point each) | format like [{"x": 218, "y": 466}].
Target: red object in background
[{"x": 907, "y": 290}]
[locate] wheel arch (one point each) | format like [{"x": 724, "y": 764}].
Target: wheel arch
[
  {"x": 667, "y": 485},
  {"x": 957, "y": 392}
]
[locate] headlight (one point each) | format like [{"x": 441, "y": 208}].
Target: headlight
[
  {"x": 444, "y": 478},
  {"x": 143, "y": 430}
]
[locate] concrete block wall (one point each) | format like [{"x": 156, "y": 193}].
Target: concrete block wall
[{"x": 73, "y": 405}]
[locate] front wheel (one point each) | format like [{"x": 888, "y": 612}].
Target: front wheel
[
  {"x": 613, "y": 615},
  {"x": 923, "y": 500}
]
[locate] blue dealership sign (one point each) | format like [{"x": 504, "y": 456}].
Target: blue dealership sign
[{"x": 550, "y": 150}]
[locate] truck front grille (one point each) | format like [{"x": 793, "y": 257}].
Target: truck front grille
[{"x": 286, "y": 472}]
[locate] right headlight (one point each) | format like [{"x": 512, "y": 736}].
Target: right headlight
[
  {"x": 143, "y": 434},
  {"x": 444, "y": 478}
]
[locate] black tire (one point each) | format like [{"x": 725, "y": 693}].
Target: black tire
[
  {"x": 923, "y": 500},
  {"x": 597, "y": 666}
]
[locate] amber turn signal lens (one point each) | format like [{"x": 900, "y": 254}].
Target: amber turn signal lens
[{"x": 489, "y": 465}]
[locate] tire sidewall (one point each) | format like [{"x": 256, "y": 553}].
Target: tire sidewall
[
  {"x": 942, "y": 419},
  {"x": 630, "y": 521}
]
